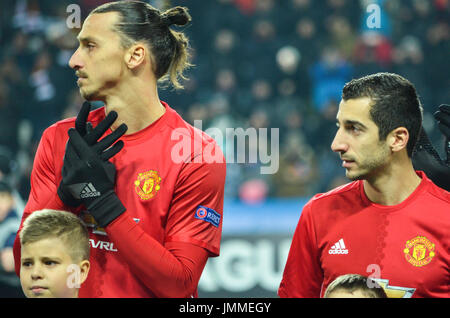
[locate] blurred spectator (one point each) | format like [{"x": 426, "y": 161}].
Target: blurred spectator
[
  {"x": 409, "y": 58},
  {"x": 225, "y": 80},
  {"x": 246, "y": 7},
  {"x": 288, "y": 59},
  {"x": 342, "y": 35},
  {"x": 19, "y": 50},
  {"x": 225, "y": 41},
  {"x": 42, "y": 109},
  {"x": 409, "y": 51},
  {"x": 261, "y": 90},
  {"x": 253, "y": 191},
  {"x": 9, "y": 170},
  {"x": 306, "y": 39},
  {"x": 328, "y": 76},
  {"x": 9, "y": 225},
  {"x": 436, "y": 66},
  {"x": 264, "y": 31},
  {"x": 28, "y": 17},
  {"x": 9, "y": 118},
  {"x": 373, "y": 53},
  {"x": 298, "y": 169}
]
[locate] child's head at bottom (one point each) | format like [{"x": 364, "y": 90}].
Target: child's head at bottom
[{"x": 54, "y": 254}]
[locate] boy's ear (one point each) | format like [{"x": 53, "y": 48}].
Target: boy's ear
[{"x": 84, "y": 270}]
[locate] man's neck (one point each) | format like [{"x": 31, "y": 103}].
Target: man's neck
[
  {"x": 137, "y": 108},
  {"x": 393, "y": 186}
]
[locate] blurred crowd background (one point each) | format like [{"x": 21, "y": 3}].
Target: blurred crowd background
[{"x": 258, "y": 64}]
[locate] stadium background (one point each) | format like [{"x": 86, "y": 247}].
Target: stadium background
[{"x": 258, "y": 63}]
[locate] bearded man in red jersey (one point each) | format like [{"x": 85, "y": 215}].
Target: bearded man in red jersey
[{"x": 155, "y": 216}]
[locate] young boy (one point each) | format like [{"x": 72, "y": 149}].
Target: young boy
[
  {"x": 354, "y": 286},
  {"x": 55, "y": 254}
]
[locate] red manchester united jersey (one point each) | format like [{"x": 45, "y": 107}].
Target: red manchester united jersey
[
  {"x": 404, "y": 247},
  {"x": 170, "y": 177}
]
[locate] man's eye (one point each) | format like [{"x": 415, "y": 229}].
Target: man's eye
[
  {"x": 353, "y": 128},
  {"x": 26, "y": 264}
]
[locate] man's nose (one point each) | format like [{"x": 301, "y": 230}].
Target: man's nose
[
  {"x": 75, "y": 61},
  {"x": 339, "y": 144}
]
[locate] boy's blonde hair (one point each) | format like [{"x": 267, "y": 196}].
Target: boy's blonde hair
[
  {"x": 353, "y": 282},
  {"x": 58, "y": 224}
]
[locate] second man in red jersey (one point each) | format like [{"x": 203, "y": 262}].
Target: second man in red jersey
[{"x": 391, "y": 222}]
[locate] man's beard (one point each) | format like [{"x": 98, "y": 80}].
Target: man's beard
[
  {"x": 370, "y": 167},
  {"x": 89, "y": 95}
]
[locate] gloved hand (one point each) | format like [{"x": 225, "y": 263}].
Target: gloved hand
[
  {"x": 426, "y": 158},
  {"x": 443, "y": 118},
  {"x": 88, "y": 175},
  {"x": 90, "y": 135}
]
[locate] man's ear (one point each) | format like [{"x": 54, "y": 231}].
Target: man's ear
[
  {"x": 135, "y": 55},
  {"x": 398, "y": 139}
]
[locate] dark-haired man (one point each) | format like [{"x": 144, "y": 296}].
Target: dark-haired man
[
  {"x": 154, "y": 213},
  {"x": 391, "y": 222}
]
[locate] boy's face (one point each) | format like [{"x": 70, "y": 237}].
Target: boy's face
[{"x": 46, "y": 270}]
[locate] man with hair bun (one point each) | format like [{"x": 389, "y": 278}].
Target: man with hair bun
[{"x": 133, "y": 170}]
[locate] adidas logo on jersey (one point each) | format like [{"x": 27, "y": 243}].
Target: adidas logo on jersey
[
  {"x": 338, "y": 248},
  {"x": 89, "y": 191}
]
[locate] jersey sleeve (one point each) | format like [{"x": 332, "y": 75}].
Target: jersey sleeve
[
  {"x": 43, "y": 185},
  {"x": 303, "y": 275},
  {"x": 174, "y": 269},
  {"x": 43, "y": 179},
  {"x": 196, "y": 212}
]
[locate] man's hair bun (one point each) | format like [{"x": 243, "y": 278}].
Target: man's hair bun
[{"x": 176, "y": 15}]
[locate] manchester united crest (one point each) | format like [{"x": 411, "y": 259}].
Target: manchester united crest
[
  {"x": 419, "y": 251},
  {"x": 147, "y": 184}
]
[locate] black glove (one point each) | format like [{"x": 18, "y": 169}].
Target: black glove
[
  {"x": 443, "y": 118},
  {"x": 426, "y": 158},
  {"x": 88, "y": 175},
  {"x": 90, "y": 135}
]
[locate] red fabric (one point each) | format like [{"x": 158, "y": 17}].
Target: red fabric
[
  {"x": 172, "y": 270},
  {"x": 373, "y": 235},
  {"x": 161, "y": 191}
]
